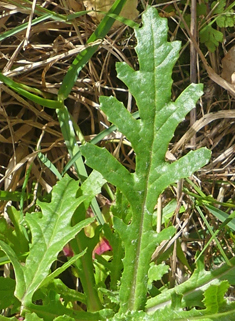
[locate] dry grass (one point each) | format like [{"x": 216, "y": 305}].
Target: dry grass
[{"x": 40, "y": 56}]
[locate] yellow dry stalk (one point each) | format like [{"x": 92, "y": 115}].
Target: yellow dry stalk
[{"x": 129, "y": 10}]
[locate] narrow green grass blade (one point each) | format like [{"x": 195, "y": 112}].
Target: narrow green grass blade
[
  {"x": 36, "y": 99},
  {"x": 67, "y": 130},
  {"x": 223, "y": 217},
  {"x": 22, "y": 27},
  {"x": 212, "y": 238},
  {"x": 125, "y": 21},
  {"x": 83, "y": 57},
  {"x": 49, "y": 165},
  {"x": 23, "y": 193}
]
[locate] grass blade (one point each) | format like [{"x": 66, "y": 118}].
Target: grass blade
[
  {"x": 22, "y": 91},
  {"x": 83, "y": 57}
]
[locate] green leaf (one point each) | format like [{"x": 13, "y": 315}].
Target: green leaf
[
  {"x": 218, "y": 6},
  {"x": 156, "y": 272},
  {"x": 69, "y": 295},
  {"x": 2, "y": 318},
  {"x": 89, "y": 189},
  {"x": 226, "y": 20},
  {"x": 214, "y": 297},
  {"x": 149, "y": 136},
  {"x": 15, "y": 236},
  {"x": 7, "y": 298},
  {"x": 32, "y": 317},
  {"x": 64, "y": 318},
  {"x": 211, "y": 37},
  {"x": 51, "y": 231},
  {"x": 67, "y": 129}
]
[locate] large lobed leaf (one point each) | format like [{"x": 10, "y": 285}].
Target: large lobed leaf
[{"x": 149, "y": 136}]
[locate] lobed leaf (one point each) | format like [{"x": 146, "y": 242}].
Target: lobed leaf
[
  {"x": 51, "y": 230},
  {"x": 149, "y": 136}
]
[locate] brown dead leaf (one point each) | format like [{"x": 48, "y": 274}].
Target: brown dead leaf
[
  {"x": 228, "y": 64},
  {"x": 129, "y": 11}
]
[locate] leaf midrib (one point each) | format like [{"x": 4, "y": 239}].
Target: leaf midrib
[{"x": 134, "y": 294}]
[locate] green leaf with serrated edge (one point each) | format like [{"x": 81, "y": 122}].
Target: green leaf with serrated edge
[
  {"x": 192, "y": 289},
  {"x": 149, "y": 136},
  {"x": 51, "y": 231},
  {"x": 32, "y": 317},
  {"x": 214, "y": 297},
  {"x": 168, "y": 313}
]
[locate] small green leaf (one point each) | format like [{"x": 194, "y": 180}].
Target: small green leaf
[
  {"x": 226, "y": 20},
  {"x": 156, "y": 272},
  {"x": 211, "y": 37}
]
